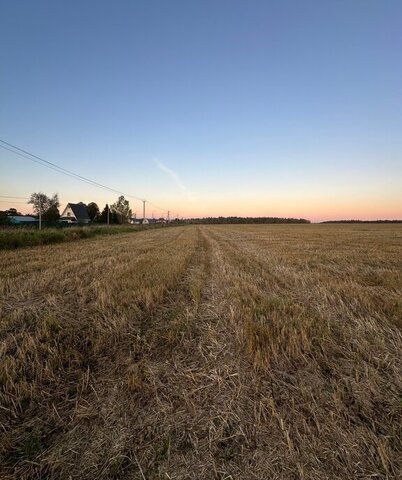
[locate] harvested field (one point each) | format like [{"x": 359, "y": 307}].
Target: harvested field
[{"x": 211, "y": 352}]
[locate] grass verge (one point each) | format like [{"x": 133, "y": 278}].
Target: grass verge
[{"x": 12, "y": 239}]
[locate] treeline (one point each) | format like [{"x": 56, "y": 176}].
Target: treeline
[
  {"x": 246, "y": 220},
  {"x": 362, "y": 221}
]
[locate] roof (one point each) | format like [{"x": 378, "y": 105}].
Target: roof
[
  {"x": 22, "y": 218},
  {"x": 79, "y": 210}
]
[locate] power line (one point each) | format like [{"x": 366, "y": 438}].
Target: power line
[
  {"x": 64, "y": 171},
  {"x": 45, "y": 163},
  {"x": 163, "y": 210},
  {"x": 59, "y": 170},
  {"x": 8, "y": 196}
]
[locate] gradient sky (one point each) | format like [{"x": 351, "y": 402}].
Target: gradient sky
[{"x": 277, "y": 108}]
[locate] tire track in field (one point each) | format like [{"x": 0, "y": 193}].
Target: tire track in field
[{"x": 206, "y": 406}]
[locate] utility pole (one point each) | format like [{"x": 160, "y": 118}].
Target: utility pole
[
  {"x": 143, "y": 209},
  {"x": 108, "y": 214},
  {"x": 168, "y": 216},
  {"x": 40, "y": 213}
]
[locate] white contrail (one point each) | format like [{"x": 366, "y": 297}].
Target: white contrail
[{"x": 175, "y": 177}]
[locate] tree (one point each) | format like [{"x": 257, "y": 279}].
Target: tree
[
  {"x": 103, "y": 215},
  {"x": 93, "y": 210},
  {"x": 51, "y": 215},
  {"x": 115, "y": 217},
  {"x": 122, "y": 210},
  {"x": 12, "y": 211},
  {"x": 41, "y": 202},
  {"x": 3, "y": 218}
]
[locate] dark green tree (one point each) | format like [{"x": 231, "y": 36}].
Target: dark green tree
[
  {"x": 51, "y": 215},
  {"x": 93, "y": 210},
  {"x": 3, "y": 218},
  {"x": 115, "y": 218},
  {"x": 13, "y": 211},
  {"x": 103, "y": 215}
]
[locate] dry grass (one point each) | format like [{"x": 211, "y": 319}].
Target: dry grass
[{"x": 224, "y": 352}]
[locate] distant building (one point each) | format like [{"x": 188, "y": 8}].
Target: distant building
[
  {"x": 75, "y": 213},
  {"x": 135, "y": 221},
  {"x": 22, "y": 220}
]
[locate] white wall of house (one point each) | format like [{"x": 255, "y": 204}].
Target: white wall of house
[{"x": 68, "y": 212}]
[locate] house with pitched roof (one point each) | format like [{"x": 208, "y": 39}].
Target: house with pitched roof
[{"x": 75, "y": 213}]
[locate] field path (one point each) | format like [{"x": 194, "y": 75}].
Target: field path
[{"x": 212, "y": 352}]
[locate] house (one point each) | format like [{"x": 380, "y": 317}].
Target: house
[
  {"x": 75, "y": 213},
  {"x": 22, "y": 220},
  {"x": 139, "y": 221},
  {"x": 161, "y": 220}
]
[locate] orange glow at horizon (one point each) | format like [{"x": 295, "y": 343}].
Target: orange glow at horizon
[{"x": 315, "y": 210}]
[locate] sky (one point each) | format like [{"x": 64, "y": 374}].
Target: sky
[{"x": 205, "y": 108}]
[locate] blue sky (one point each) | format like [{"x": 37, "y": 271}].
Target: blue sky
[{"x": 284, "y": 107}]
